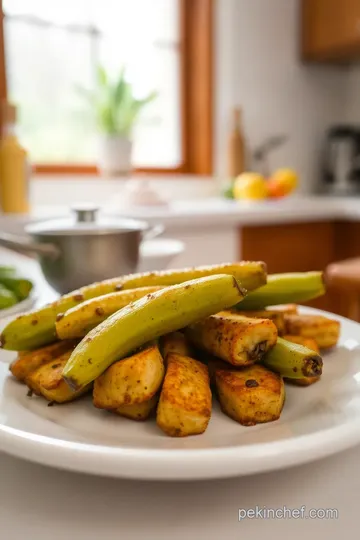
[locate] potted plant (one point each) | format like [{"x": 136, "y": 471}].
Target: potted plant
[{"x": 116, "y": 110}]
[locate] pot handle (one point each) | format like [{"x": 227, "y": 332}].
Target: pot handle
[
  {"x": 153, "y": 232},
  {"x": 22, "y": 244}
]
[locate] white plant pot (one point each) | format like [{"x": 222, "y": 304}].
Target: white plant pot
[{"x": 114, "y": 155}]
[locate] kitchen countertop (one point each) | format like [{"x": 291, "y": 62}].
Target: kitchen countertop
[
  {"x": 227, "y": 212},
  {"x": 41, "y": 503},
  {"x": 210, "y": 211},
  {"x": 191, "y": 201}
]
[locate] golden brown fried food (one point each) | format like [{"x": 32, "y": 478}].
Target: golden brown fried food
[
  {"x": 47, "y": 381},
  {"x": 235, "y": 338},
  {"x": 310, "y": 344},
  {"x": 138, "y": 411},
  {"x": 251, "y": 395},
  {"x": 286, "y": 309},
  {"x": 213, "y": 364},
  {"x": 29, "y": 361},
  {"x": 175, "y": 342},
  {"x": 277, "y": 317},
  {"x": 185, "y": 400},
  {"x": 130, "y": 381},
  {"x": 323, "y": 330}
]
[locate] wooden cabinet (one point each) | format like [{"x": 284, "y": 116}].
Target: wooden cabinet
[
  {"x": 331, "y": 30},
  {"x": 302, "y": 247},
  {"x": 297, "y": 247}
]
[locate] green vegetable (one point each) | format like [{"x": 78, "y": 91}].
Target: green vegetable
[
  {"x": 228, "y": 191},
  {"x": 37, "y": 328},
  {"x": 7, "y": 271},
  {"x": 146, "y": 319},
  {"x": 292, "y": 360},
  {"x": 7, "y": 298},
  {"x": 21, "y": 287},
  {"x": 285, "y": 289},
  {"x": 79, "y": 320}
]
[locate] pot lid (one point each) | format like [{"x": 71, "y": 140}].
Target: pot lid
[{"x": 85, "y": 221}]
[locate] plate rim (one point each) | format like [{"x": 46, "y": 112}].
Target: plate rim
[
  {"x": 182, "y": 464},
  {"x": 20, "y": 307},
  {"x": 188, "y": 464}
]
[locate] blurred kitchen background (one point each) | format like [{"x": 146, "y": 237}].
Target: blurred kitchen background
[{"x": 234, "y": 123}]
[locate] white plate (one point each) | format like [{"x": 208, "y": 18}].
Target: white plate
[
  {"x": 20, "y": 307},
  {"x": 159, "y": 253},
  {"x": 317, "y": 421}
]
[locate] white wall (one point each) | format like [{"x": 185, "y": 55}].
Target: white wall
[
  {"x": 352, "y": 106},
  {"x": 258, "y": 68}
]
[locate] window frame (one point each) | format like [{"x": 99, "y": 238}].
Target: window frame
[{"x": 196, "y": 79}]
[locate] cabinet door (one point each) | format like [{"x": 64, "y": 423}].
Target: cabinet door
[
  {"x": 298, "y": 247},
  {"x": 331, "y": 29}
]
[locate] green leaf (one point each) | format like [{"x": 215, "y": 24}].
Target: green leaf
[
  {"x": 102, "y": 76},
  {"x": 114, "y": 104},
  {"x": 120, "y": 89},
  {"x": 106, "y": 120}
]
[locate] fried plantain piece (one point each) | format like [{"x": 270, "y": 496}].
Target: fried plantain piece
[
  {"x": 286, "y": 309},
  {"x": 130, "y": 381},
  {"x": 235, "y": 338},
  {"x": 323, "y": 330},
  {"x": 138, "y": 411},
  {"x": 185, "y": 400},
  {"x": 277, "y": 317},
  {"x": 47, "y": 381},
  {"x": 175, "y": 342},
  {"x": 28, "y": 361},
  {"x": 251, "y": 395}
]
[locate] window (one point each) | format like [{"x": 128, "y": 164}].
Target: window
[{"x": 52, "y": 49}]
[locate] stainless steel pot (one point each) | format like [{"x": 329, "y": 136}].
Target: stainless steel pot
[{"x": 75, "y": 252}]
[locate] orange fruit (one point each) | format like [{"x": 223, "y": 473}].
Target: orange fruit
[
  {"x": 275, "y": 190},
  {"x": 287, "y": 179}
]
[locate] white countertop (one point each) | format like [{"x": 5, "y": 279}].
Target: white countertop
[
  {"x": 190, "y": 202},
  {"x": 41, "y": 503},
  {"x": 217, "y": 211}
]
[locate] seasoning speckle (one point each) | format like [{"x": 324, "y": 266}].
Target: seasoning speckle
[
  {"x": 119, "y": 287},
  {"x": 34, "y": 322},
  {"x": 59, "y": 316},
  {"x": 54, "y": 366},
  {"x": 99, "y": 311},
  {"x": 251, "y": 383},
  {"x": 79, "y": 297}
]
